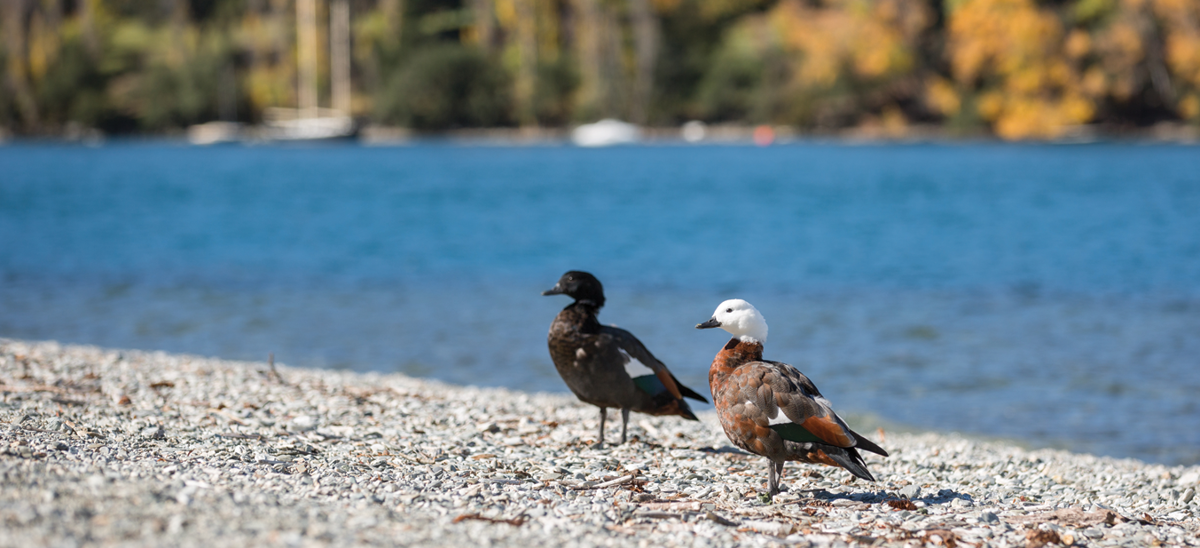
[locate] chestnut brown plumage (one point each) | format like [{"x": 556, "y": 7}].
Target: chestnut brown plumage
[{"x": 770, "y": 408}]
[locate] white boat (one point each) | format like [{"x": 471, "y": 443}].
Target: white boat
[
  {"x": 291, "y": 124},
  {"x": 606, "y": 132},
  {"x": 310, "y": 122},
  {"x": 214, "y": 133}
]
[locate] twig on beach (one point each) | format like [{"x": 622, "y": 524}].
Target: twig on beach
[
  {"x": 685, "y": 506},
  {"x": 81, "y": 432},
  {"x": 240, "y": 436},
  {"x": 227, "y": 415},
  {"x": 59, "y": 397},
  {"x": 768, "y": 527},
  {"x": 414, "y": 459},
  {"x": 34, "y": 388},
  {"x": 30, "y": 429},
  {"x": 720, "y": 519},
  {"x": 1073, "y": 517},
  {"x": 656, "y": 514},
  {"x": 610, "y": 483},
  {"x": 516, "y": 522}
]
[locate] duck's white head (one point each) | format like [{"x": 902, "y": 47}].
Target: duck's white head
[{"x": 740, "y": 319}]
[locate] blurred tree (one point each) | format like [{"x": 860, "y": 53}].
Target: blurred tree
[
  {"x": 18, "y": 90},
  {"x": 446, "y": 86},
  {"x": 1175, "y": 66},
  {"x": 735, "y": 87},
  {"x": 1018, "y": 68},
  {"x": 1011, "y": 55},
  {"x": 821, "y": 64}
]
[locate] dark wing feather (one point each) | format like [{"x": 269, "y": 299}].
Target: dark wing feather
[
  {"x": 802, "y": 403},
  {"x": 632, "y": 346}
]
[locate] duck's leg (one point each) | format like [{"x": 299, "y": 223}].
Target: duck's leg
[
  {"x": 778, "y": 475},
  {"x": 603, "y": 417},
  {"x": 624, "y": 422},
  {"x": 773, "y": 470}
]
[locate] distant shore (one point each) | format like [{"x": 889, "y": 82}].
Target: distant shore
[
  {"x": 122, "y": 447},
  {"x": 724, "y": 133}
]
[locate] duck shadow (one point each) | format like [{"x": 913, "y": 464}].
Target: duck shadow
[
  {"x": 943, "y": 496},
  {"x": 725, "y": 449}
]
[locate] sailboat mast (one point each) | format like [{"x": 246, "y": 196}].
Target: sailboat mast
[
  {"x": 339, "y": 54},
  {"x": 306, "y": 38}
]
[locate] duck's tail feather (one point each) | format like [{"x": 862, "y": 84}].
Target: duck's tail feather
[
  {"x": 688, "y": 392},
  {"x": 867, "y": 445},
  {"x": 850, "y": 460},
  {"x": 682, "y": 409},
  {"x": 666, "y": 404}
]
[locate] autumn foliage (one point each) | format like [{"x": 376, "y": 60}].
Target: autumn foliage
[{"x": 1017, "y": 69}]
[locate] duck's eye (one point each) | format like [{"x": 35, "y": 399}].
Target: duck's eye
[{"x": 729, "y": 311}]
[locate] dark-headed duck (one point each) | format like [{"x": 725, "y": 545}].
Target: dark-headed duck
[
  {"x": 607, "y": 366},
  {"x": 772, "y": 409}
]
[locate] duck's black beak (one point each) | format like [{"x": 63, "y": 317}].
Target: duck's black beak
[
  {"x": 710, "y": 323},
  {"x": 556, "y": 290}
]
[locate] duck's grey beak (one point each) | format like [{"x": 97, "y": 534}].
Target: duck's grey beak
[
  {"x": 710, "y": 323},
  {"x": 556, "y": 290}
]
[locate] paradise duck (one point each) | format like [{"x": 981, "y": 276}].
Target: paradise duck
[
  {"x": 607, "y": 366},
  {"x": 771, "y": 409}
]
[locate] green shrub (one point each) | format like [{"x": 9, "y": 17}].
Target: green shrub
[
  {"x": 446, "y": 86},
  {"x": 552, "y": 98}
]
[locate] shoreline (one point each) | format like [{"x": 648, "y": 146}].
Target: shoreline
[
  {"x": 125, "y": 447},
  {"x": 716, "y": 134}
]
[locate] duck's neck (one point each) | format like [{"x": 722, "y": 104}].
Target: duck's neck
[
  {"x": 585, "y": 312},
  {"x": 735, "y": 354}
]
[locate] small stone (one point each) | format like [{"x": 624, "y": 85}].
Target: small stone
[
  {"x": 302, "y": 423},
  {"x": 153, "y": 433}
]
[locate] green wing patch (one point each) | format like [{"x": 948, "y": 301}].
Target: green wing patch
[
  {"x": 649, "y": 384},
  {"x": 794, "y": 432}
]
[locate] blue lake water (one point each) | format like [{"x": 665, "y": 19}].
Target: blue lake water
[{"x": 1045, "y": 293}]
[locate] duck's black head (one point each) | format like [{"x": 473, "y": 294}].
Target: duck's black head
[{"x": 581, "y": 286}]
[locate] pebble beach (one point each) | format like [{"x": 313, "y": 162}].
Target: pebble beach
[{"x": 102, "y": 447}]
